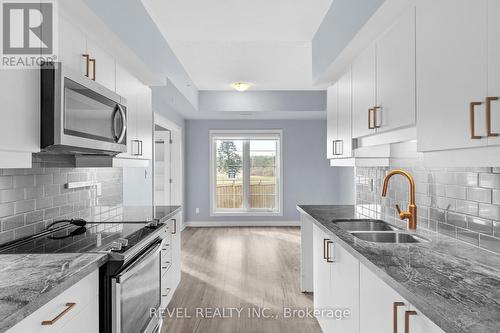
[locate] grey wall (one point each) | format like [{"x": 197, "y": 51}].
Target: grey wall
[
  {"x": 307, "y": 176},
  {"x": 32, "y": 198}
]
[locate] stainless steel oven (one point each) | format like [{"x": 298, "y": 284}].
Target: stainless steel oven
[
  {"x": 136, "y": 292},
  {"x": 80, "y": 116}
]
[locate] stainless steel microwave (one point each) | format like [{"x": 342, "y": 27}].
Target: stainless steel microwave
[{"x": 79, "y": 116}]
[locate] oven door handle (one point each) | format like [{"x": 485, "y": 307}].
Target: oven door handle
[{"x": 151, "y": 252}]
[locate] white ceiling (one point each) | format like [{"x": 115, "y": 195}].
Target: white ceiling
[{"x": 265, "y": 42}]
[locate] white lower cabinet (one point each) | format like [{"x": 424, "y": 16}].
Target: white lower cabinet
[
  {"x": 76, "y": 310},
  {"x": 171, "y": 260},
  {"x": 380, "y": 306},
  {"x": 321, "y": 275},
  {"x": 336, "y": 285},
  {"x": 342, "y": 283}
]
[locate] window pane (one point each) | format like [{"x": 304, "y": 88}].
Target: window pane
[
  {"x": 263, "y": 169},
  {"x": 229, "y": 168}
]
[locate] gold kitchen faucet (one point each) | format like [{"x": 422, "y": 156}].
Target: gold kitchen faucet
[{"x": 411, "y": 214}]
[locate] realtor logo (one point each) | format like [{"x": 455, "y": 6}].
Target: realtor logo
[{"x": 28, "y": 33}]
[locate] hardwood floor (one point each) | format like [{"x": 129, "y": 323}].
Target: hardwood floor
[{"x": 251, "y": 270}]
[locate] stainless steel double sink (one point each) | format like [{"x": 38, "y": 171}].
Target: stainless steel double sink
[{"x": 377, "y": 231}]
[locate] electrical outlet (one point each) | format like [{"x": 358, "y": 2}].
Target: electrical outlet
[{"x": 197, "y": 211}]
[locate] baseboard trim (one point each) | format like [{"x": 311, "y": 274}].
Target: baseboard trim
[{"x": 205, "y": 224}]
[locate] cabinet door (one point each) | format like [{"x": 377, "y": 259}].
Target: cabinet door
[
  {"x": 321, "y": 277},
  {"x": 396, "y": 74},
  {"x": 494, "y": 68},
  {"x": 344, "y": 289},
  {"x": 363, "y": 91},
  {"x": 127, "y": 86},
  {"x": 105, "y": 66},
  {"x": 376, "y": 304},
  {"x": 72, "y": 46},
  {"x": 451, "y": 72},
  {"x": 145, "y": 124},
  {"x": 331, "y": 120},
  {"x": 421, "y": 324},
  {"x": 176, "y": 250},
  {"x": 20, "y": 111},
  {"x": 86, "y": 321},
  {"x": 344, "y": 145}
]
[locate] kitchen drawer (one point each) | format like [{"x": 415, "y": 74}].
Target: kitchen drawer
[
  {"x": 82, "y": 294},
  {"x": 86, "y": 321},
  {"x": 166, "y": 257},
  {"x": 167, "y": 236}
]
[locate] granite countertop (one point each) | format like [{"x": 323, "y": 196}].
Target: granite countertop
[
  {"x": 29, "y": 281},
  {"x": 146, "y": 213},
  {"x": 452, "y": 283}
]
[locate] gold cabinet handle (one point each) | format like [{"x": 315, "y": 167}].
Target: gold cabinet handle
[
  {"x": 407, "y": 320},
  {"x": 69, "y": 306},
  {"x": 488, "y": 116},
  {"x": 375, "y": 109},
  {"x": 472, "y": 111},
  {"x": 328, "y": 258},
  {"x": 370, "y": 111},
  {"x": 175, "y": 227},
  {"x": 87, "y": 61},
  {"x": 325, "y": 255},
  {"x": 395, "y": 307},
  {"x": 93, "y": 61}
]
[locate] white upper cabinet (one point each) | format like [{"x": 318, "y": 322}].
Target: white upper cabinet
[
  {"x": 332, "y": 120},
  {"x": 102, "y": 65},
  {"x": 343, "y": 147},
  {"x": 396, "y": 74},
  {"x": 139, "y": 115},
  {"x": 452, "y": 72},
  {"x": 72, "y": 46},
  {"x": 364, "y": 93},
  {"x": 494, "y": 70},
  {"x": 383, "y": 81},
  {"x": 339, "y": 119},
  {"x": 145, "y": 123},
  {"x": 20, "y": 112}
]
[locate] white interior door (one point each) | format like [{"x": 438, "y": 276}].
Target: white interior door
[{"x": 451, "y": 72}]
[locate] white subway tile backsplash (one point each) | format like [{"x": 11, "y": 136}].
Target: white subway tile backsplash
[
  {"x": 458, "y": 220},
  {"x": 489, "y": 180},
  {"x": 24, "y": 181},
  {"x": 24, "y": 206},
  {"x": 11, "y": 195},
  {"x": 479, "y": 194},
  {"x": 463, "y": 203},
  {"x": 32, "y": 198},
  {"x": 6, "y": 182},
  {"x": 6, "y": 209},
  {"x": 480, "y": 225},
  {"x": 489, "y": 211}
]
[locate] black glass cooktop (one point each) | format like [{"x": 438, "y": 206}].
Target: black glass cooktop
[{"x": 93, "y": 237}]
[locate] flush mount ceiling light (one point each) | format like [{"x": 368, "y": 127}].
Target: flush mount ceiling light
[{"x": 241, "y": 86}]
